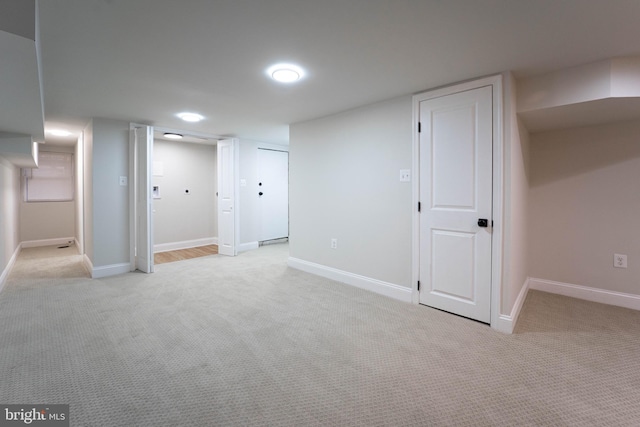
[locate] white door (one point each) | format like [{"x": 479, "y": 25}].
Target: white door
[
  {"x": 143, "y": 155},
  {"x": 226, "y": 197},
  {"x": 456, "y": 197},
  {"x": 273, "y": 194}
]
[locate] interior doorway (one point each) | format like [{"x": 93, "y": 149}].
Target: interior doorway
[
  {"x": 458, "y": 223},
  {"x": 273, "y": 194}
]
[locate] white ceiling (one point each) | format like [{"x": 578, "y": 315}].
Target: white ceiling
[{"x": 146, "y": 60}]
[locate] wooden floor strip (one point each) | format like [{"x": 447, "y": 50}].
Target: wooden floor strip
[{"x": 182, "y": 254}]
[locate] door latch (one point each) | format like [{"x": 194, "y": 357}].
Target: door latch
[{"x": 482, "y": 222}]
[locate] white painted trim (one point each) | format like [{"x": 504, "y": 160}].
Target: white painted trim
[
  {"x": 497, "y": 231},
  {"x": 398, "y": 292},
  {"x": 87, "y": 264},
  {"x": 7, "y": 270},
  {"x": 185, "y": 244},
  {"x": 243, "y": 247},
  {"x": 507, "y": 322},
  {"x": 48, "y": 242},
  {"x": 602, "y": 296},
  {"x": 110, "y": 270}
]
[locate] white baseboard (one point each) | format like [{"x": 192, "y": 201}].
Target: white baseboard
[
  {"x": 384, "y": 288},
  {"x": 88, "y": 264},
  {"x": 248, "y": 246},
  {"x": 586, "y": 293},
  {"x": 507, "y": 322},
  {"x": 109, "y": 270},
  {"x": 48, "y": 242},
  {"x": 186, "y": 244},
  {"x": 7, "y": 270}
]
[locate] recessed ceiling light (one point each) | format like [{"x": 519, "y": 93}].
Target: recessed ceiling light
[
  {"x": 285, "y": 73},
  {"x": 59, "y": 132},
  {"x": 190, "y": 117},
  {"x": 170, "y": 135}
]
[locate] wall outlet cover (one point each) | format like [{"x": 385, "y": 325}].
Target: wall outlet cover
[{"x": 619, "y": 260}]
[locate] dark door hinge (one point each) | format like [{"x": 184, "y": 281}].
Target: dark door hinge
[
  {"x": 419, "y": 207},
  {"x": 419, "y": 127},
  {"x": 418, "y": 285}
]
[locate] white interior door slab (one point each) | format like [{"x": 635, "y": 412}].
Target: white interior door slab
[
  {"x": 273, "y": 194},
  {"x": 456, "y": 196},
  {"x": 226, "y": 197}
]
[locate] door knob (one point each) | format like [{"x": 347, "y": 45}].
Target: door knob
[
  {"x": 260, "y": 193},
  {"x": 483, "y": 222}
]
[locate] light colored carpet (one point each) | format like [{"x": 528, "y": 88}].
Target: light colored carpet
[{"x": 247, "y": 341}]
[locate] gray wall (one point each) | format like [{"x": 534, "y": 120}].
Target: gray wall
[
  {"x": 107, "y": 202},
  {"x": 585, "y": 206},
  {"x": 344, "y": 184},
  {"x": 179, "y": 217}
]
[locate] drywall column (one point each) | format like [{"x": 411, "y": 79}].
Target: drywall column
[
  {"x": 515, "y": 266},
  {"x": 9, "y": 196},
  {"x": 106, "y": 200}
]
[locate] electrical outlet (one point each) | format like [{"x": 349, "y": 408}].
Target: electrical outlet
[
  {"x": 405, "y": 175},
  {"x": 619, "y": 261},
  {"x": 334, "y": 243}
]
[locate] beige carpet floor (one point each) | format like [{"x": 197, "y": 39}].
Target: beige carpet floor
[{"x": 247, "y": 341}]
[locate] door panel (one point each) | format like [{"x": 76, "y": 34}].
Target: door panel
[
  {"x": 226, "y": 197},
  {"x": 453, "y": 158},
  {"x": 273, "y": 193},
  {"x": 456, "y": 188}
]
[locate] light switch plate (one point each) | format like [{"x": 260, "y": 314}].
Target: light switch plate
[
  {"x": 123, "y": 181},
  {"x": 405, "y": 175}
]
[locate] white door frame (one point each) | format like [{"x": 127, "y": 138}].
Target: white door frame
[
  {"x": 136, "y": 179},
  {"x": 498, "y": 194}
]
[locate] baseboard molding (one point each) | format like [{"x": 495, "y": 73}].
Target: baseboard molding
[
  {"x": 384, "y": 288},
  {"x": 243, "y": 247},
  {"x": 507, "y": 322},
  {"x": 88, "y": 264},
  {"x": 7, "y": 270},
  {"x": 48, "y": 242},
  {"x": 109, "y": 270},
  {"x": 186, "y": 244},
  {"x": 586, "y": 293}
]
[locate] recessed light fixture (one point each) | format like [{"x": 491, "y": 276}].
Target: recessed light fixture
[
  {"x": 190, "y": 117},
  {"x": 170, "y": 135},
  {"x": 59, "y": 132},
  {"x": 285, "y": 73}
]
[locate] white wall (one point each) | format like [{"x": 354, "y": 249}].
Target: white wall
[
  {"x": 516, "y": 198},
  {"x": 344, "y": 184},
  {"x": 585, "y": 206},
  {"x": 9, "y": 196},
  {"x": 248, "y": 199},
  {"x": 87, "y": 185},
  {"x": 179, "y": 217},
  {"x": 79, "y": 192},
  {"x": 47, "y": 220}
]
